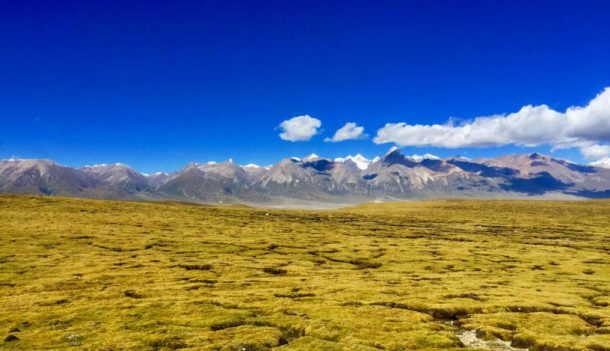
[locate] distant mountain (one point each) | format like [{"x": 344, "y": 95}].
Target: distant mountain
[
  {"x": 157, "y": 179},
  {"x": 400, "y": 176},
  {"x": 540, "y": 174},
  {"x": 348, "y": 179},
  {"x": 254, "y": 172},
  {"x": 309, "y": 179},
  {"x": 120, "y": 177},
  {"x": 45, "y": 177},
  {"x": 210, "y": 182}
]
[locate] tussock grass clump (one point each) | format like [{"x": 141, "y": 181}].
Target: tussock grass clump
[
  {"x": 471, "y": 296},
  {"x": 294, "y": 295},
  {"x": 275, "y": 271},
  {"x": 288, "y": 334},
  {"x": 170, "y": 342},
  {"x": 196, "y": 267},
  {"x": 272, "y": 247},
  {"x": 132, "y": 294},
  {"x": 363, "y": 264},
  {"x": 11, "y": 337},
  {"x": 232, "y": 323}
]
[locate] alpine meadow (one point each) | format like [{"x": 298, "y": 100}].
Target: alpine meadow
[{"x": 425, "y": 275}]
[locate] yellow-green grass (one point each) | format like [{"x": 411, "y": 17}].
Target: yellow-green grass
[{"x": 107, "y": 275}]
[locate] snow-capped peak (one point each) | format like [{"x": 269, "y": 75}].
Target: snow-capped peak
[
  {"x": 392, "y": 149},
  {"x": 419, "y": 158},
  {"x": 360, "y": 161},
  {"x": 311, "y": 157},
  {"x": 102, "y": 165},
  {"x": 251, "y": 165},
  {"x": 603, "y": 163}
]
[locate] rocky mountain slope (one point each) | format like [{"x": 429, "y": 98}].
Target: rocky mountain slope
[{"x": 317, "y": 179}]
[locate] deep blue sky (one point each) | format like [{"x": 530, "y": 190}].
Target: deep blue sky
[{"x": 159, "y": 84}]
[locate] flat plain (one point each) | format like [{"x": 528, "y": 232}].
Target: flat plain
[{"x": 118, "y": 275}]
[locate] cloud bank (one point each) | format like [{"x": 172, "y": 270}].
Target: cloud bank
[
  {"x": 349, "y": 131},
  {"x": 586, "y": 128},
  {"x": 299, "y": 128}
]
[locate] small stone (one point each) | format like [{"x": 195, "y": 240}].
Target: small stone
[
  {"x": 74, "y": 339},
  {"x": 26, "y": 323},
  {"x": 10, "y": 338}
]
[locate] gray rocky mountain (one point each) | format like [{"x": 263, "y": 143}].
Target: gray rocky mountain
[
  {"x": 45, "y": 177},
  {"x": 157, "y": 179},
  {"x": 317, "y": 179},
  {"x": 210, "y": 182},
  {"x": 119, "y": 177}
]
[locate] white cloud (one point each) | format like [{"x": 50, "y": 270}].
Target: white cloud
[
  {"x": 591, "y": 122},
  {"x": 603, "y": 163},
  {"x": 349, "y": 131},
  {"x": 419, "y": 158},
  {"x": 595, "y": 151},
  {"x": 582, "y": 127},
  {"x": 299, "y": 128}
]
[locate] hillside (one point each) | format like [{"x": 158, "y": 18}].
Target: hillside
[{"x": 111, "y": 275}]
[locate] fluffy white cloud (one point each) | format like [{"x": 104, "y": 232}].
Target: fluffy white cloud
[
  {"x": 595, "y": 151},
  {"x": 591, "y": 122},
  {"x": 582, "y": 127},
  {"x": 299, "y": 128},
  {"x": 349, "y": 131},
  {"x": 603, "y": 163}
]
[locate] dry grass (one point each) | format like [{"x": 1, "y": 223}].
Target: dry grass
[{"x": 103, "y": 275}]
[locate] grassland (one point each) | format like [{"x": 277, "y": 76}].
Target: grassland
[{"x": 103, "y": 275}]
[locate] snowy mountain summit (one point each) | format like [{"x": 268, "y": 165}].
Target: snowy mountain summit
[{"x": 361, "y": 162}]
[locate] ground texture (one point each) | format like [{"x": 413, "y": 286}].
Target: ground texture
[{"x": 103, "y": 275}]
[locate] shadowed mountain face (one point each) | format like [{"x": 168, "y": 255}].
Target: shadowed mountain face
[{"x": 393, "y": 176}]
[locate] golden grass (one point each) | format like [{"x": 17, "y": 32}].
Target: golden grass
[{"x": 106, "y": 275}]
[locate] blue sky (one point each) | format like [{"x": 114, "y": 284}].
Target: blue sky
[{"x": 157, "y": 84}]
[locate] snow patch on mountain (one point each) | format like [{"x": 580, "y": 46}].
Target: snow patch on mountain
[
  {"x": 251, "y": 165},
  {"x": 361, "y": 162},
  {"x": 103, "y": 165}
]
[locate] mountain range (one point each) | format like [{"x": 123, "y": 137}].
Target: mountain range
[{"x": 315, "y": 179}]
